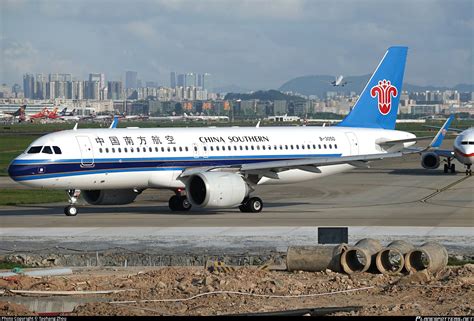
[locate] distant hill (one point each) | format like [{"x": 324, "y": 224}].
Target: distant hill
[
  {"x": 319, "y": 84},
  {"x": 263, "y": 95}
]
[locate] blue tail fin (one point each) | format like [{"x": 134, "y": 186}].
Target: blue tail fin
[{"x": 377, "y": 106}]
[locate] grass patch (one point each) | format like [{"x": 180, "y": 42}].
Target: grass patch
[
  {"x": 5, "y": 265},
  {"x": 30, "y": 196},
  {"x": 452, "y": 261}
]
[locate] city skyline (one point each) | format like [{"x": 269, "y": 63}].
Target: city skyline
[{"x": 253, "y": 44}]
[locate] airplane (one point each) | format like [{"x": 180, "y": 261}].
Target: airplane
[
  {"x": 217, "y": 167},
  {"x": 462, "y": 151},
  {"x": 20, "y": 113},
  {"x": 338, "y": 81},
  {"x": 170, "y": 118},
  {"x": 204, "y": 117},
  {"x": 284, "y": 118}
]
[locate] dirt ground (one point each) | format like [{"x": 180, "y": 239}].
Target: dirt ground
[{"x": 450, "y": 292}]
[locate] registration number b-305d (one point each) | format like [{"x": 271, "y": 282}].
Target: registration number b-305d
[{"x": 327, "y": 139}]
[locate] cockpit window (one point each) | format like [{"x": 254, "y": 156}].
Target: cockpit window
[
  {"x": 57, "y": 150},
  {"x": 471, "y": 143},
  {"x": 464, "y": 143},
  {"x": 34, "y": 149},
  {"x": 47, "y": 150}
]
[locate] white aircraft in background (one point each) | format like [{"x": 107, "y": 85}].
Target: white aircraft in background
[
  {"x": 463, "y": 150},
  {"x": 69, "y": 116},
  {"x": 204, "y": 117},
  {"x": 217, "y": 167},
  {"x": 166, "y": 118},
  {"x": 338, "y": 81}
]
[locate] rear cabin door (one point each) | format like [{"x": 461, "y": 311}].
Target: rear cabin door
[{"x": 353, "y": 143}]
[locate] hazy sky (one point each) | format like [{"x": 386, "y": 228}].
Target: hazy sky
[{"x": 254, "y": 44}]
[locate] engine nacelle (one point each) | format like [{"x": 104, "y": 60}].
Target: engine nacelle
[
  {"x": 216, "y": 189},
  {"x": 109, "y": 197},
  {"x": 430, "y": 160}
]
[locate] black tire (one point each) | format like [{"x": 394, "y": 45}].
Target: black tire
[
  {"x": 255, "y": 205},
  {"x": 453, "y": 169},
  {"x": 70, "y": 210},
  {"x": 445, "y": 168},
  {"x": 244, "y": 208},
  {"x": 179, "y": 203},
  {"x": 184, "y": 204},
  {"x": 173, "y": 203}
]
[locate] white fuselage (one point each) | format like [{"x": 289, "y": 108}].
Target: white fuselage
[
  {"x": 464, "y": 147},
  {"x": 96, "y": 159}
]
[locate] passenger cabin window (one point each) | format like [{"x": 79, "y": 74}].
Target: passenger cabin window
[
  {"x": 57, "y": 150},
  {"x": 34, "y": 149}
]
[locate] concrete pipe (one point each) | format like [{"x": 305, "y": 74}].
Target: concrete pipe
[
  {"x": 391, "y": 259},
  {"x": 314, "y": 258},
  {"x": 360, "y": 257},
  {"x": 430, "y": 256}
]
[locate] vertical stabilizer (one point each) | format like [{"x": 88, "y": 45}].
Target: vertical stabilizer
[{"x": 377, "y": 106}]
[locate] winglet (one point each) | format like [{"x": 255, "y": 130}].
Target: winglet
[
  {"x": 258, "y": 124},
  {"x": 75, "y": 126},
  {"x": 438, "y": 139},
  {"x": 114, "y": 122}
]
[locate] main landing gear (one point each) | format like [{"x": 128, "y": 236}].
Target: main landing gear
[
  {"x": 179, "y": 202},
  {"x": 71, "y": 209},
  {"x": 449, "y": 167},
  {"x": 251, "y": 205},
  {"x": 468, "y": 170}
]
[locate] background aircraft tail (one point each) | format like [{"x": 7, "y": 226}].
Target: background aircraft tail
[{"x": 377, "y": 106}]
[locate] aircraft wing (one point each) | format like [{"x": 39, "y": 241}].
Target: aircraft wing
[{"x": 311, "y": 164}]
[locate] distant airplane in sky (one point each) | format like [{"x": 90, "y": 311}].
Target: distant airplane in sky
[{"x": 338, "y": 81}]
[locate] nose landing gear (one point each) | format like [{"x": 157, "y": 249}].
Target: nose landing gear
[{"x": 71, "y": 209}]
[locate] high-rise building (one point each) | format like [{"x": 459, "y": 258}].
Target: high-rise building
[
  {"x": 131, "y": 79},
  {"x": 173, "y": 79},
  {"x": 60, "y": 77},
  {"x": 100, "y": 77},
  {"x": 77, "y": 89},
  {"x": 206, "y": 82},
  {"x": 92, "y": 90},
  {"x": 190, "y": 80},
  {"x": 181, "y": 80},
  {"x": 114, "y": 90},
  {"x": 29, "y": 85}
]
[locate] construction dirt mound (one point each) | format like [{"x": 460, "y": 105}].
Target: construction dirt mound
[{"x": 197, "y": 291}]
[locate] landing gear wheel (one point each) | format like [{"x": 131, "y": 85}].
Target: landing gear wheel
[
  {"x": 252, "y": 205},
  {"x": 446, "y": 168},
  {"x": 179, "y": 203},
  {"x": 453, "y": 169},
  {"x": 185, "y": 205},
  {"x": 70, "y": 210},
  {"x": 255, "y": 205}
]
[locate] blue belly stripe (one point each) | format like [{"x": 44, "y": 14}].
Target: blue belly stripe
[{"x": 22, "y": 170}]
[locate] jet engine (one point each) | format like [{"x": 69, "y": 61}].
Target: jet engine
[
  {"x": 109, "y": 197},
  {"x": 430, "y": 160},
  {"x": 216, "y": 189}
]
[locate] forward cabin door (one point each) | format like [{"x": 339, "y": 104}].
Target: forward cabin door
[
  {"x": 353, "y": 143},
  {"x": 87, "y": 155}
]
